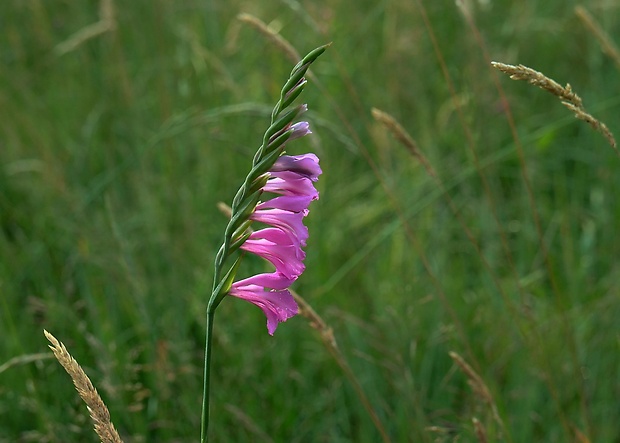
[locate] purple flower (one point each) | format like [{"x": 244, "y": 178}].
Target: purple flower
[
  {"x": 281, "y": 244},
  {"x": 306, "y": 165},
  {"x": 293, "y": 203},
  {"x": 268, "y": 292},
  {"x": 274, "y": 280},
  {"x": 275, "y": 245},
  {"x": 290, "y": 183},
  {"x": 289, "y": 222},
  {"x": 278, "y": 236},
  {"x": 299, "y": 130}
]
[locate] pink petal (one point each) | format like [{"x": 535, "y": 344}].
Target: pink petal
[
  {"x": 293, "y": 203},
  {"x": 306, "y": 165},
  {"x": 289, "y": 222},
  {"x": 274, "y": 280},
  {"x": 278, "y": 306},
  {"x": 285, "y": 257},
  {"x": 290, "y": 183},
  {"x": 278, "y": 236}
]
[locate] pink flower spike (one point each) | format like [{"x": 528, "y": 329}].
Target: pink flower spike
[
  {"x": 291, "y": 177},
  {"x": 306, "y": 165},
  {"x": 277, "y": 305},
  {"x": 289, "y": 222}
]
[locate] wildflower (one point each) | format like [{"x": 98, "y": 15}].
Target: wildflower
[
  {"x": 275, "y": 245},
  {"x": 306, "y": 165},
  {"x": 300, "y": 129},
  {"x": 292, "y": 178},
  {"x": 290, "y": 183},
  {"x": 290, "y": 222},
  {"x": 269, "y": 292},
  {"x": 293, "y": 203}
]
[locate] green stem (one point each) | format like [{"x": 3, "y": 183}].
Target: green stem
[{"x": 204, "y": 422}]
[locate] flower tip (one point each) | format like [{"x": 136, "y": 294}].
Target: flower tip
[
  {"x": 299, "y": 130},
  {"x": 281, "y": 317},
  {"x": 278, "y": 305}
]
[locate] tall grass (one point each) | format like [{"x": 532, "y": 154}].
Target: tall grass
[{"x": 125, "y": 123}]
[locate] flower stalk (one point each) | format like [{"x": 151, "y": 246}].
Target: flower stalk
[{"x": 291, "y": 178}]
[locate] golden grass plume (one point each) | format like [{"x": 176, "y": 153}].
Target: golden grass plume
[
  {"x": 392, "y": 125},
  {"x": 480, "y": 431},
  {"x": 566, "y": 95},
  {"x": 271, "y": 34},
  {"x": 275, "y": 38},
  {"x": 482, "y": 391},
  {"x": 97, "y": 409},
  {"x": 106, "y": 23}
]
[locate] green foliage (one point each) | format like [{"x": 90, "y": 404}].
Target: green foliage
[{"x": 114, "y": 153}]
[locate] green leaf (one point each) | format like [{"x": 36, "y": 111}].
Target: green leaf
[
  {"x": 264, "y": 165},
  {"x": 282, "y": 122},
  {"x": 242, "y": 214},
  {"x": 224, "y": 286},
  {"x": 240, "y": 240},
  {"x": 293, "y": 94}
]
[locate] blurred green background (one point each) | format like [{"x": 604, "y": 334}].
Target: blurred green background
[{"x": 124, "y": 123}]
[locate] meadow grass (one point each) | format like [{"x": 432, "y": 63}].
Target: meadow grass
[{"x": 479, "y": 301}]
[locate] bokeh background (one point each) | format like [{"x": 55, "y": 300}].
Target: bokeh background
[{"x": 123, "y": 124}]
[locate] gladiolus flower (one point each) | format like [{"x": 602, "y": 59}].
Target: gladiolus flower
[
  {"x": 289, "y": 222},
  {"x": 290, "y": 183},
  {"x": 306, "y": 165},
  {"x": 277, "y": 304},
  {"x": 299, "y": 130},
  {"x": 292, "y": 177},
  {"x": 276, "y": 246},
  {"x": 293, "y": 203}
]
